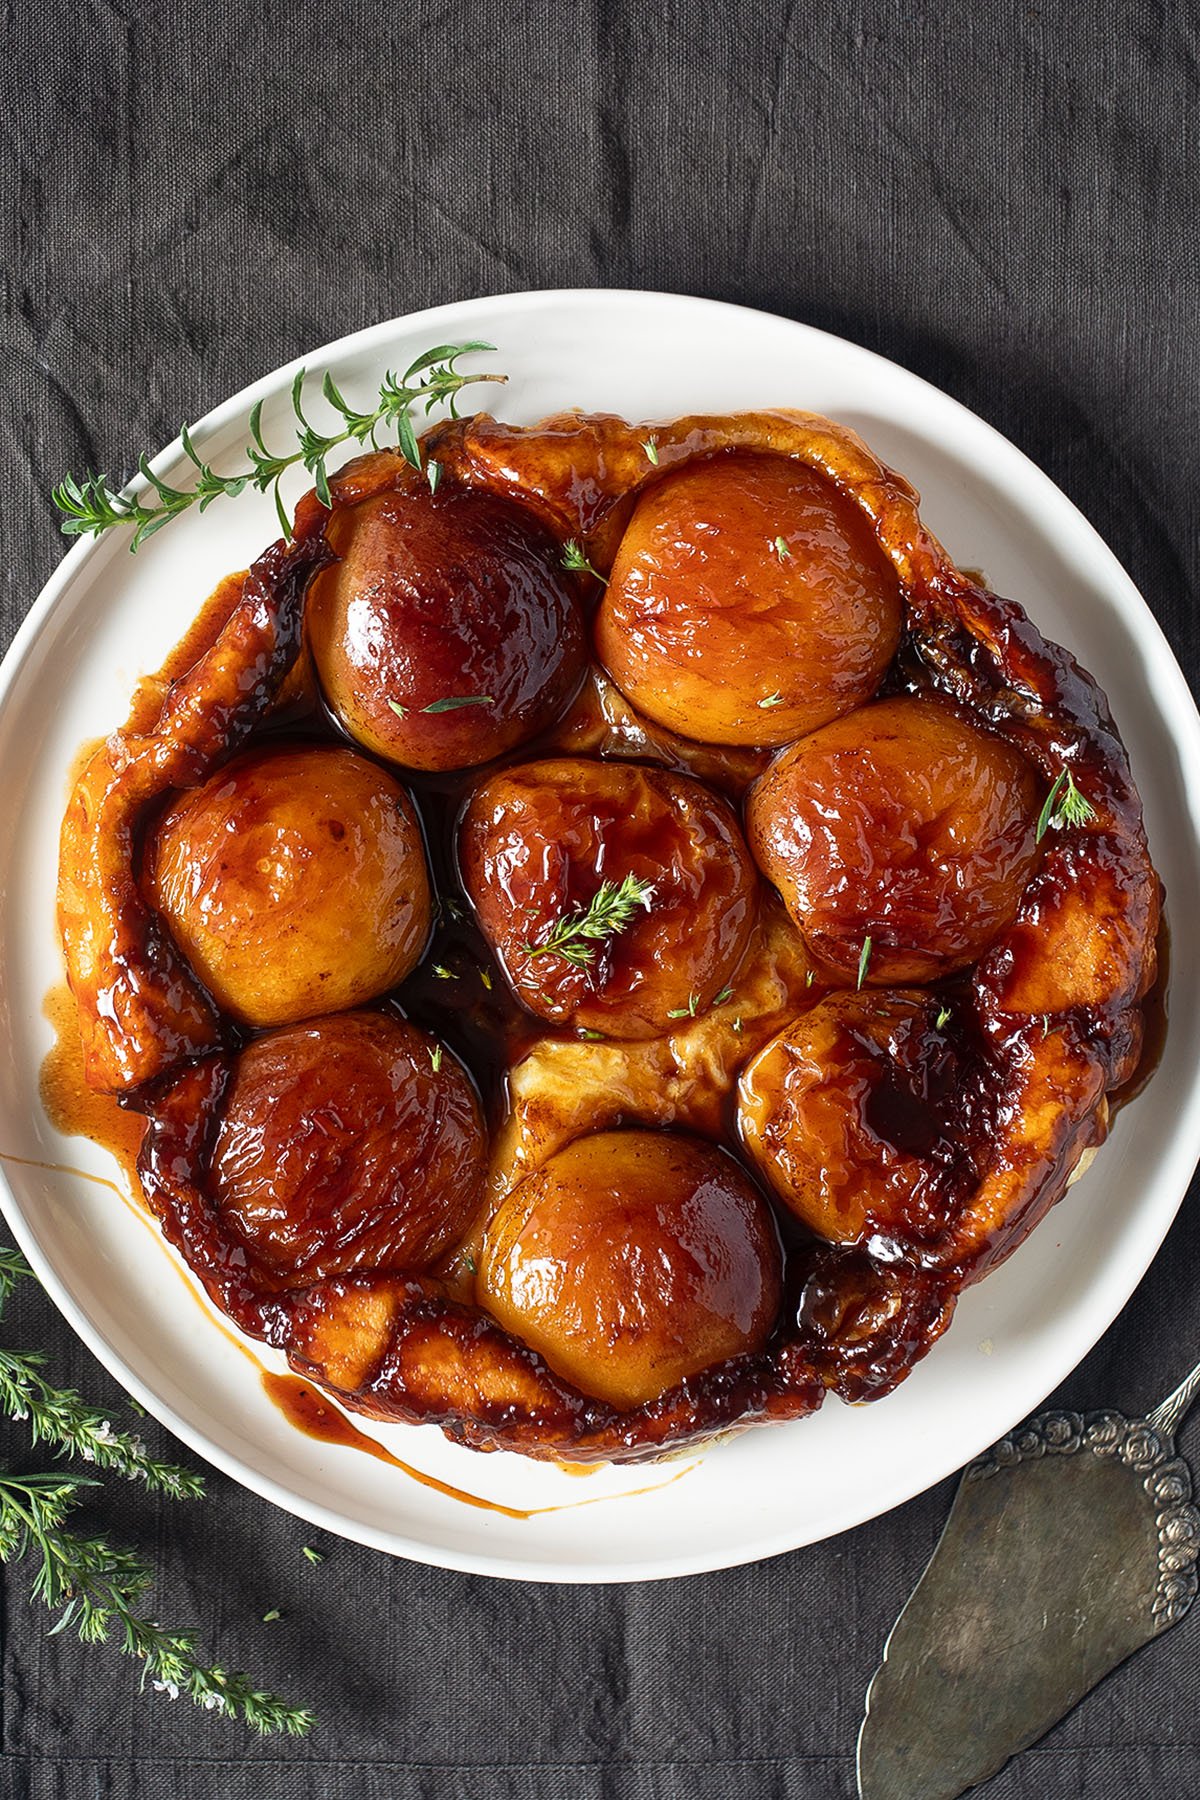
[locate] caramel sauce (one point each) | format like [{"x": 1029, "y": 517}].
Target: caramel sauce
[
  {"x": 75, "y": 1109},
  {"x": 1154, "y": 1027},
  {"x": 305, "y": 1407},
  {"x": 199, "y": 638},
  {"x": 57, "y": 1168},
  {"x": 80, "y": 761}
]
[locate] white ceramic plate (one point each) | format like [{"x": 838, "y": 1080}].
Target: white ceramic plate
[{"x": 106, "y": 617}]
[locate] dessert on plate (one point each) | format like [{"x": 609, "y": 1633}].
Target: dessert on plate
[{"x": 610, "y": 931}]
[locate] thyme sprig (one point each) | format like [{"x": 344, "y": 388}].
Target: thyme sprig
[
  {"x": 574, "y": 560},
  {"x": 1064, "y": 805},
  {"x": 96, "y": 1586},
  {"x": 61, "y": 1417},
  {"x": 92, "y": 504},
  {"x": 99, "y": 1588},
  {"x": 575, "y": 935}
]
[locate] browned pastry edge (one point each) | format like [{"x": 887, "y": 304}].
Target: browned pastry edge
[
  {"x": 1056, "y": 997},
  {"x": 140, "y": 1007}
]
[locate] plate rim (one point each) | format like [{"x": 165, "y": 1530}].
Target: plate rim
[{"x": 1174, "y": 703}]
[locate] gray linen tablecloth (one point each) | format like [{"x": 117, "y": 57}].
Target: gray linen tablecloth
[{"x": 1003, "y": 199}]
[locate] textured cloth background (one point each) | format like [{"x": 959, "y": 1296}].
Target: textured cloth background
[{"x": 1004, "y": 201}]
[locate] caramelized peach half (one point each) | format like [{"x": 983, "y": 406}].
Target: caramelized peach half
[
  {"x": 749, "y": 602},
  {"x": 538, "y": 844},
  {"x": 859, "y": 1114},
  {"x": 902, "y": 825},
  {"x": 447, "y": 633},
  {"x": 353, "y": 1142},
  {"x": 294, "y": 881},
  {"x": 631, "y": 1260}
]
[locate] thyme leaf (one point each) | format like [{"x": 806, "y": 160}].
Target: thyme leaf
[
  {"x": 864, "y": 962},
  {"x": 685, "y": 1012},
  {"x": 453, "y": 701}
]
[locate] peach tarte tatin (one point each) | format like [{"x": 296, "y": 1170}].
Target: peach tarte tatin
[{"x": 614, "y": 933}]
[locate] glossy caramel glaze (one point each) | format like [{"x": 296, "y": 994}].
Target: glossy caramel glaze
[
  {"x": 870, "y": 1119},
  {"x": 537, "y": 841},
  {"x": 901, "y": 827},
  {"x": 450, "y": 597},
  {"x": 294, "y": 881},
  {"x": 140, "y": 1007},
  {"x": 341, "y": 1146},
  {"x": 967, "y": 1108},
  {"x": 748, "y": 602},
  {"x": 631, "y": 1260}
]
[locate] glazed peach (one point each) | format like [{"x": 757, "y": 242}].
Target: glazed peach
[
  {"x": 903, "y": 825},
  {"x": 540, "y": 842},
  {"x": 447, "y": 633},
  {"x": 353, "y": 1142},
  {"x": 294, "y": 881},
  {"x": 631, "y": 1260},
  {"x": 859, "y": 1115},
  {"x": 748, "y": 603}
]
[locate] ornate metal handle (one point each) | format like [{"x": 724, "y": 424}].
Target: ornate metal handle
[{"x": 1169, "y": 1413}]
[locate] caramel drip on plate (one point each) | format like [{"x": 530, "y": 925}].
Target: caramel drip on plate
[
  {"x": 303, "y": 1406},
  {"x": 75, "y": 1109}
]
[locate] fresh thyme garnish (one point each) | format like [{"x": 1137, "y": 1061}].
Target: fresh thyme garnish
[
  {"x": 270, "y": 1617},
  {"x": 450, "y": 704},
  {"x": 576, "y": 562},
  {"x": 435, "y": 1058},
  {"x": 724, "y": 995},
  {"x": 98, "y": 1587},
  {"x": 943, "y": 1016},
  {"x": 485, "y": 975},
  {"x": 808, "y": 978},
  {"x": 1065, "y": 805},
  {"x": 92, "y": 505},
  {"x": 737, "y": 1025},
  {"x": 780, "y": 547},
  {"x": 442, "y": 972},
  {"x": 592, "y": 1037},
  {"x": 612, "y": 906},
  {"x": 453, "y": 701},
  {"x": 775, "y": 699},
  {"x": 312, "y": 1555},
  {"x": 651, "y": 449},
  {"x": 864, "y": 961},
  {"x": 685, "y": 1012}
]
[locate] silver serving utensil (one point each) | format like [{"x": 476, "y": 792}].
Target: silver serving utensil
[{"x": 1069, "y": 1545}]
